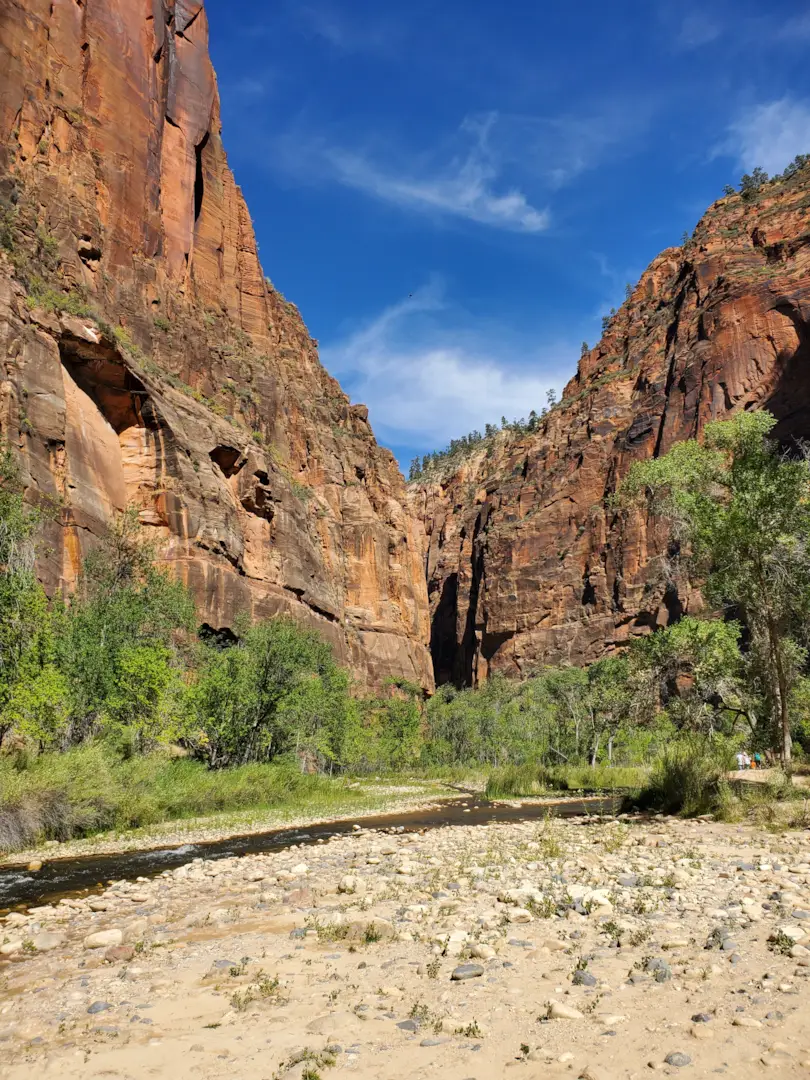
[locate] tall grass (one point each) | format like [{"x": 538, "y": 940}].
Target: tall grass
[
  {"x": 513, "y": 781},
  {"x": 90, "y": 789},
  {"x": 689, "y": 778}
]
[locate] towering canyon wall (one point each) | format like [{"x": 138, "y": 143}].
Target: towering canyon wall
[
  {"x": 145, "y": 360},
  {"x": 526, "y": 564}
]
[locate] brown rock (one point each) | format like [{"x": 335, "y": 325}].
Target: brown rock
[
  {"x": 119, "y": 953},
  {"x": 526, "y": 563},
  {"x": 299, "y": 898},
  {"x": 206, "y": 405}
]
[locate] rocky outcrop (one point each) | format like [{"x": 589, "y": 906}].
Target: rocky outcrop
[
  {"x": 147, "y": 361},
  {"x": 526, "y": 563}
]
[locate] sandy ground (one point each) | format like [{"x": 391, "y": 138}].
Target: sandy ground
[{"x": 598, "y": 949}]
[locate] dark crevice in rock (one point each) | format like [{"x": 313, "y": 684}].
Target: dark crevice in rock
[
  {"x": 790, "y": 400},
  {"x": 588, "y": 592},
  {"x": 313, "y": 606},
  {"x": 228, "y": 459},
  {"x": 199, "y": 179},
  {"x": 119, "y": 395},
  {"x": 465, "y": 661},
  {"x": 443, "y": 631},
  {"x": 673, "y": 604}
]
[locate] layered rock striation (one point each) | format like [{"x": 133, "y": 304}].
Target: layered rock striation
[
  {"x": 146, "y": 361},
  {"x": 526, "y": 563}
]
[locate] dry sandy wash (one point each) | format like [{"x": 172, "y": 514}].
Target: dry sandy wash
[{"x": 570, "y": 949}]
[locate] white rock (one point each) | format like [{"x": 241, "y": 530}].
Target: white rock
[
  {"x": 103, "y": 939},
  {"x": 795, "y": 933},
  {"x": 520, "y": 915},
  {"x": 349, "y": 884},
  {"x": 482, "y": 952},
  {"x": 47, "y": 942},
  {"x": 11, "y": 947},
  {"x": 559, "y": 1011}
]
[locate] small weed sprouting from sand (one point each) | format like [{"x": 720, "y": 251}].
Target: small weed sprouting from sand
[
  {"x": 433, "y": 968},
  {"x": 640, "y": 936},
  {"x": 615, "y": 838},
  {"x": 312, "y": 1062},
  {"x": 328, "y": 932},
  {"x": 542, "y": 909},
  {"x": 424, "y": 1015},
  {"x": 781, "y": 943},
  {"x": 263, "y": 988},
  {"x": 371, "y": 934},
  {"x": 470, "y": 1031},
  {"x": 549, "y": 839},
  {"x": 612, "y": 929}
]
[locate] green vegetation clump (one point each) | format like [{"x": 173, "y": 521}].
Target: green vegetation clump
[
  {"x": 458, "y": 449},
  {"x": 41, "y": 295},
  {"x": 690, "y": 778},
  {"x": 91, "y": 788},
  {"x": 751, "y": 184},
  {"x": 530, "y": 779}
]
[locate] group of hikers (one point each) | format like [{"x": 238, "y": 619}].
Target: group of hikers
[{"x": 745, "y": 761}]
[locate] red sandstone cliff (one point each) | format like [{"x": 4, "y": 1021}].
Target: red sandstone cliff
[
  {"x": 525, "y": 564},
  {"x": 182, "y": 382}
]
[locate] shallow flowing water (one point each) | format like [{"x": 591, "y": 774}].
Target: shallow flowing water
[{"x": 77, "y": 876}]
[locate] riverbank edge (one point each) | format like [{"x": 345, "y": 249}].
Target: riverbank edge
[{"x": 212, "y": 829}]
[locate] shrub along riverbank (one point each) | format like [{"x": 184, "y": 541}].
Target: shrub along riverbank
[{"x": 90, "y": 790}]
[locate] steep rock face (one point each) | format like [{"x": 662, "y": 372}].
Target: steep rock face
[
  {"x": 147, "y": 361},
  {"x": 526, "y": 564}
]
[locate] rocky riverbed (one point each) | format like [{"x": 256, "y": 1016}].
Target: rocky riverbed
[{"x": 579, "y": 948}]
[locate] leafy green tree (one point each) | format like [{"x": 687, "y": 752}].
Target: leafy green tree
[
  {"x": 694, "y": 669},
  {"x": 401, "y": 732},
  {"x": 800, "y": 714},
  {"x": 743, "y": 511},
  {"x": 750, "y": 183},
  {"x": 120, "y": 647},
  {"x": 38, "y": 706},
  {"x": 612, "y": 701},
  {"x": 23, "y": 607},
  {"x": 277, "y": 691}
]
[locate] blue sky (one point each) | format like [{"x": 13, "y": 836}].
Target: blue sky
[{"x": 454, "y": 194}]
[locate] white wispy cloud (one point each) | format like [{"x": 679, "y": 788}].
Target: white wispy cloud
[
  {"x": 770, "y": 135},
  {"x": 429, "y": 372},
  {"x": 493, "y": 170},
  {"x": 466, "y": 185},
  {"x": 465, "y": 189}
]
